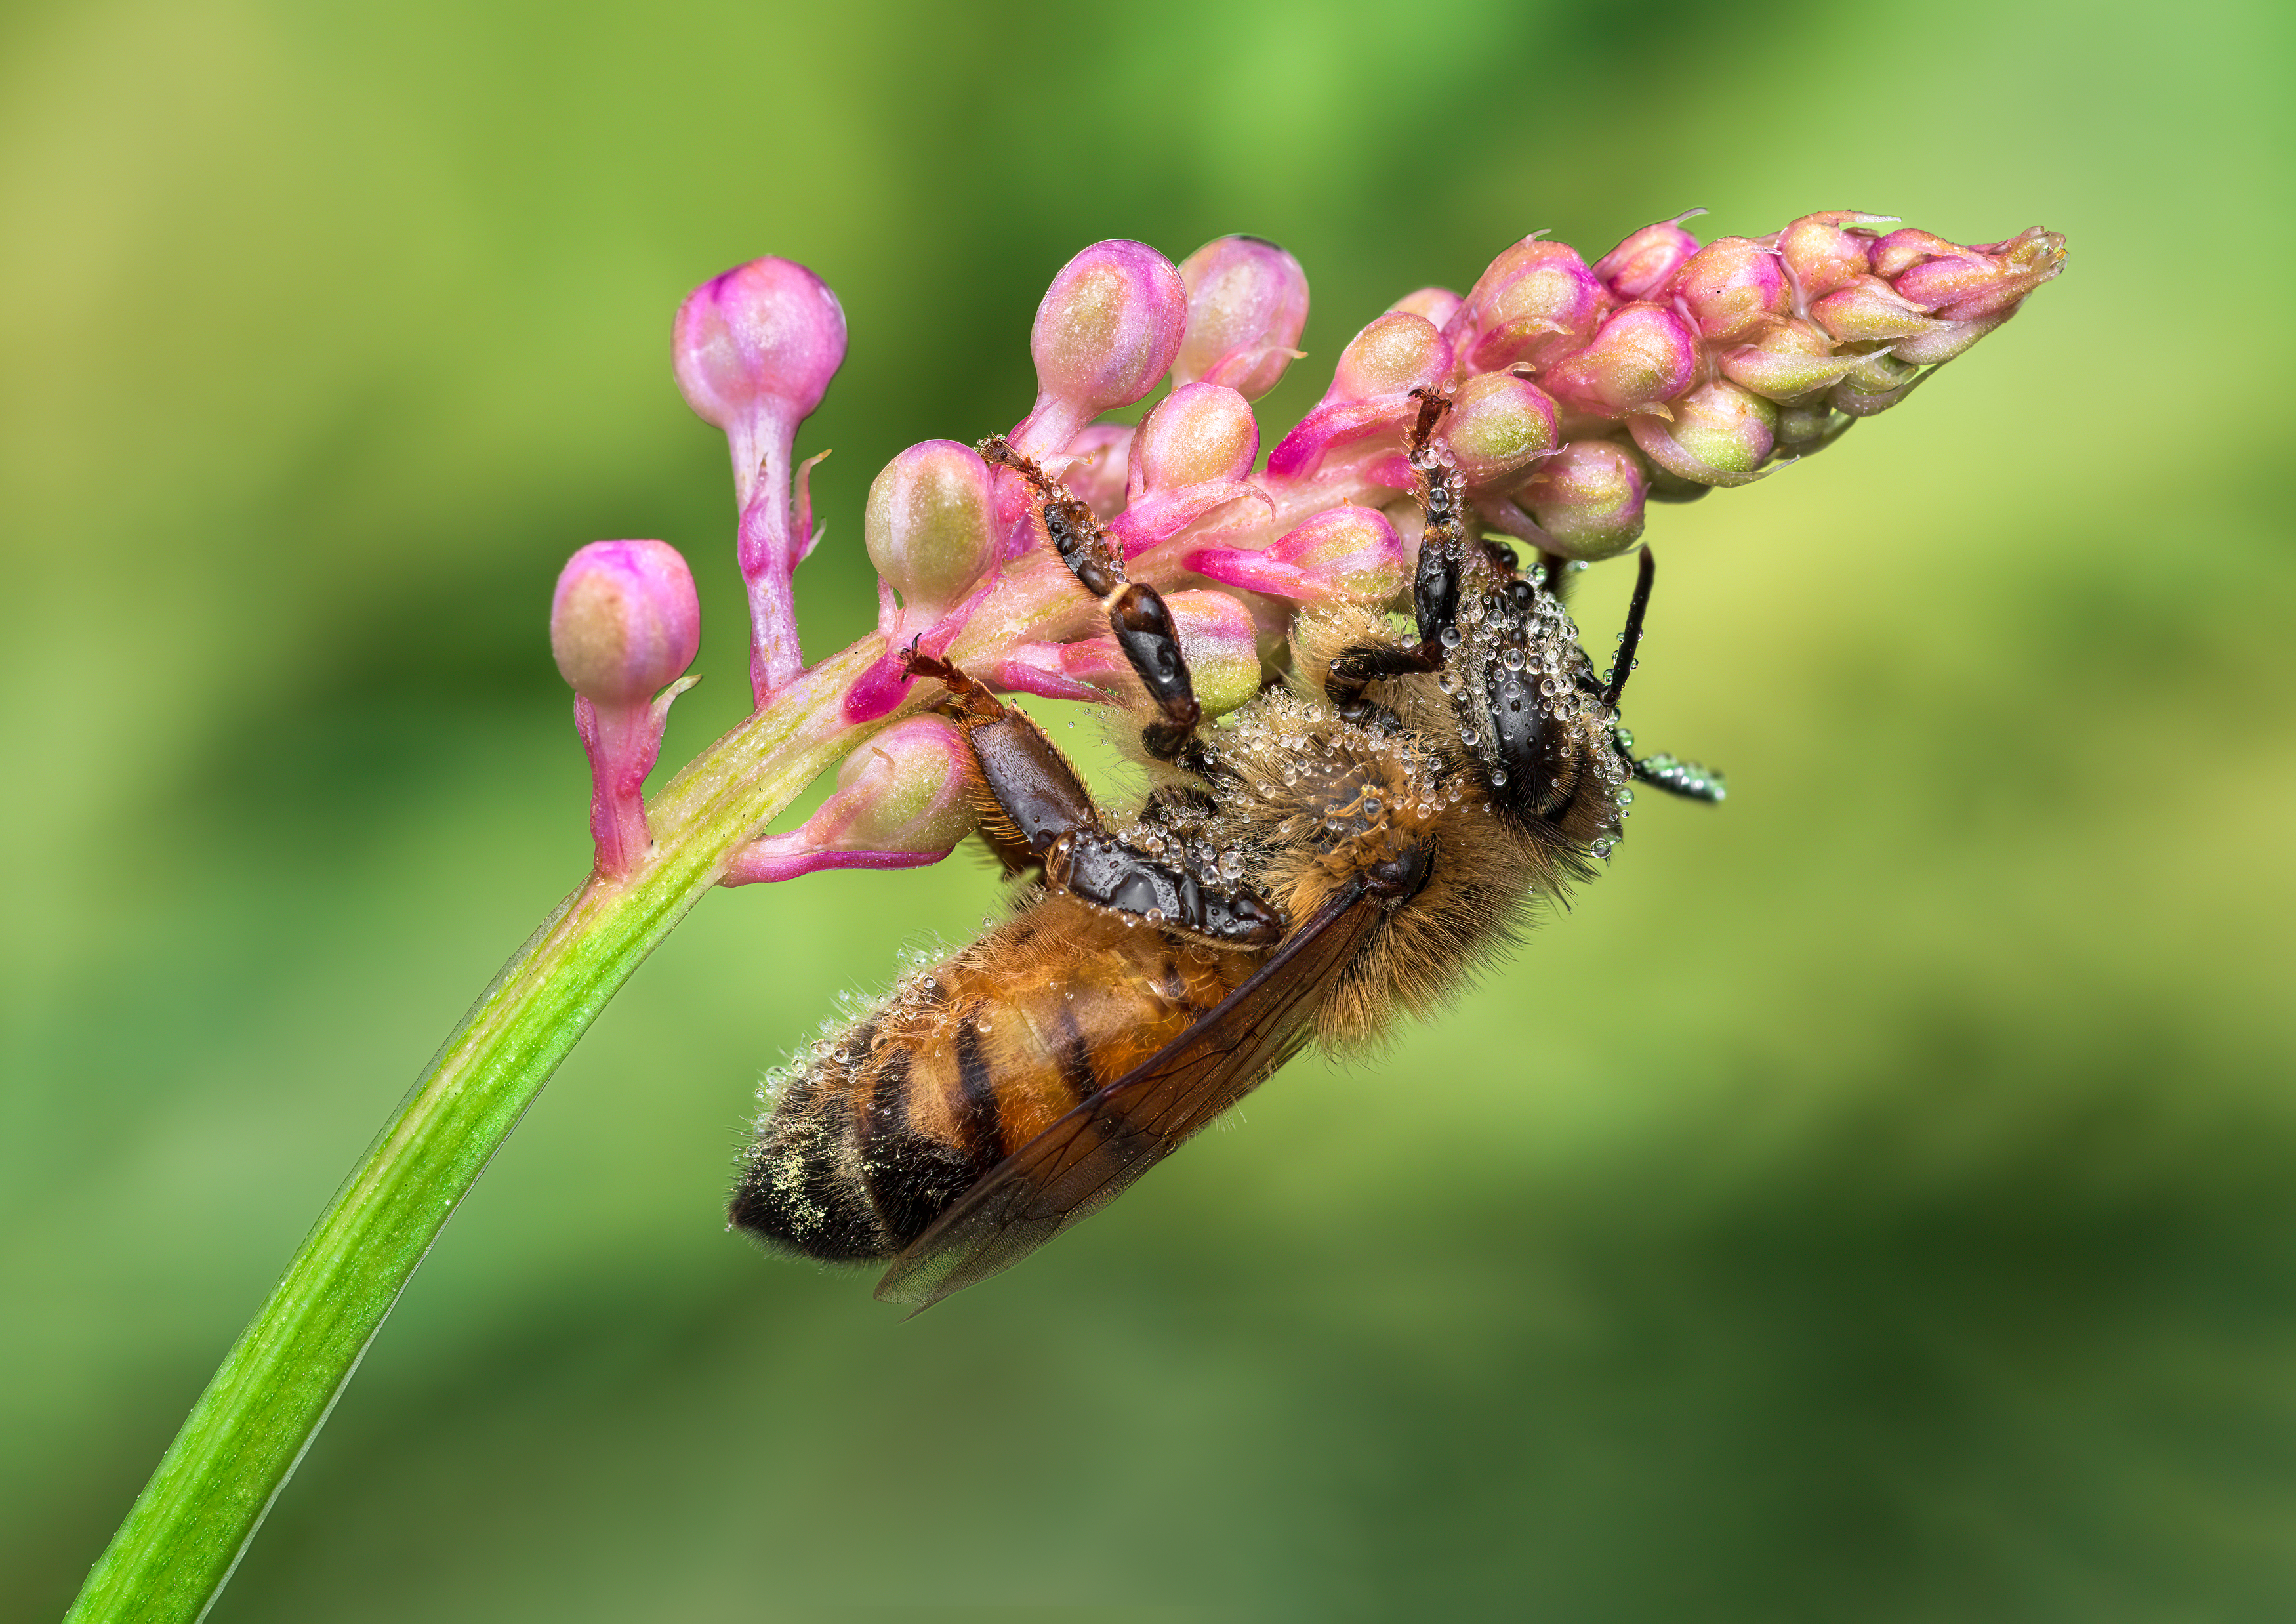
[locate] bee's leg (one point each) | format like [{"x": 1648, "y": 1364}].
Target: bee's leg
[
  {"x": 1105, "y": 871},
  {"x": 1136, "y": 613},
  {"x": 1025, "y": 790},
  {"x": 1435, "y": 598}
]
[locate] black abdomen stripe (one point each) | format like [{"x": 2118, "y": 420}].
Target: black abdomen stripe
[{"x": 977, "y": 1120}]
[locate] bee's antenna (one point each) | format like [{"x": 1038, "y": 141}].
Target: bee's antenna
[{"x": 1631, "y": 638}]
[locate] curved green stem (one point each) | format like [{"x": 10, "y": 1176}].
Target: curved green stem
[{"x": 186, "y": 1532}]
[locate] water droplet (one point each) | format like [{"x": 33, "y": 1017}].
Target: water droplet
[
  {"x": 1626, "y": 739},
  {"x": 1499, "y": 775},
  {"x": 1155, "y": 916},
  {"x": 1601, "y": 845},
  {"x": 1512, "y": 659},
  {"x": 1626, "y": 798},
  {"x": 1451, "y": 636}
]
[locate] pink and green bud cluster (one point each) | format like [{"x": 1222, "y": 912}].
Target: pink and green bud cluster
[{"x": 1578, "y": 393}]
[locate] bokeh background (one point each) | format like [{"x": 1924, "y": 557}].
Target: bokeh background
[{"x": 1877, "y": 1201}]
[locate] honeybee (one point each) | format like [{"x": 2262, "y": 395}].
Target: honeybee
[{"x": 1351, "y": 847}]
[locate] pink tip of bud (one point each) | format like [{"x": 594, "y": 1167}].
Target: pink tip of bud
[
  {"x": 1438, "y": 305},
  {"x": 624, "y": 622},
  {"x": 1499, "y": 424},
  {"x": 1247, "y": 303},
  {"x": 1823, "y": 255},
  {"x": 930, "y": 527},
  {"x": 765, "y": 336},
  {"x": 1641, "y": 265},
  {"x": 1644, "y": 354},
  {"x": 1399, "y": 351},
  {"x": 1588, "y": 497},
  {"x": 1536, "y": 302},
  {"x": 1199, "y": 431},
  {"x": 1734, "y": 290},
  {"x": 1343, "y": 553},
  {"x": 1108, "y": 328}
]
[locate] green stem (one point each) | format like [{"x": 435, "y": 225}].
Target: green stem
[{"x": 186, "y": 1532}]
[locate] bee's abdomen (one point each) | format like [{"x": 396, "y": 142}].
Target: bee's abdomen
[{"x": 874, "y": 1140}]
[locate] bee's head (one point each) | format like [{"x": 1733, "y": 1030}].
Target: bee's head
[{"x": 1548, "y": 744}]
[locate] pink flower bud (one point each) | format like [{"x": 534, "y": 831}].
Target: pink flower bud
[
  {"x": 1108, "y": 328},
  {"x": 1792, "y": 358},
  {"x": 1217, "y": 638},
  {"x": 754, "y": 348},
  {"x": 1720, "y": 435},
  {"x": 1588, "y": 497},
  {"x": 1199, "y": 431},
  {"x": 1734, "y": 290},
  {"x": 1497, "y": 425},
  {"x": 930, "y": 526},
  {"x": 1642, "y": 264},
  {"x": 1399, "y": 351},
  {"x": 1536, "y": 302},
  {"x": 900, "y": 802},
  {"x": 1438, "y": 305},
  {"x": 1644, "y": 354},
  {"x": 624, "y": 622},
  {"x": 1868, "y": 311},
  {"x": 1247, "y": 303},
  {"x": 1343, "y": 553},
  {"x": 1979, "y": 284},
  {"x": 1100, "y": 464},
  {"x": 1821, "y": 256}
]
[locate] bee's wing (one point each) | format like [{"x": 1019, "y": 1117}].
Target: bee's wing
[{"x": 1091, "y": 1156}]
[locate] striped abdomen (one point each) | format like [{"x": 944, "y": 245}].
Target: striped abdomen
[{"x": 904, "y": 1113}]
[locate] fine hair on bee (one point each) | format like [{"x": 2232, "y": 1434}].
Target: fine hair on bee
[{"x": 1341, "y": 850}]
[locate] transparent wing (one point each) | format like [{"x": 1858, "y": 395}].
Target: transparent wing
[{"x": 1093, "y": 1153}]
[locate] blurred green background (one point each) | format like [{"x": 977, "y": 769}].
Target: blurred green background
[{"x": 1873, "y": 1201}]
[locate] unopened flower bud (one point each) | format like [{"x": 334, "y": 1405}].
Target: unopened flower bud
[
  {"x": 1719, "y": 435},
  {"x": 1642, "y": 264},
  {"x": 1199, "y": 431},
  {"x": 1497, "y": 425},
  {"x": 1100, "y": 461},
  {"x": 1108, "y": 328},
  {"x": 1588, "y": 497},
  {"x": 1536, "y": 302},
  {"x": 930, "y": 526},
  {"x": 1823, "y": 255},
  {"x": 1217, "y": 639},
  {"x": 1438, "y": 305},
  {"x": 1734, "y": 290},
  {"x": 1976, "y": 284},
  {"x": 1343, "y": 553},
  {"x": 1868, "y": 311},
  {"x": 1644, "y": 355},
  {"x": 624, "y": 622},
  {"x": 900, "y": 802},
  {"x": 757, "y": 347},
  {"x": 1247, "y": 303},
  {"x": 1396, "y": 352},
  {"x": 1791, "y": 359}
]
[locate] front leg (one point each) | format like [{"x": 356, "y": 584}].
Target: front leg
[{"x": 1435, "y": 584}]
